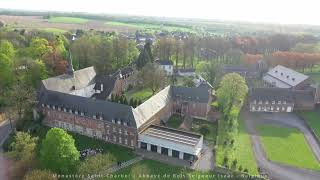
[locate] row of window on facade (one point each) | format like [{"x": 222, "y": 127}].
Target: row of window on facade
[
  {"x": 76, "y": 112},
  {"x": 91, "y": 132},
  {"x": 120, "y": 131},
  {"x": 80, "y": 129},
  {"x": 119, "y": 140},
  {"x": 267, "y": 102},
  {"x": 263, "y": 108}
]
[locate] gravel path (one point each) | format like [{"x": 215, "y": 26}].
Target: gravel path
[{"x": 277, "y": 171}]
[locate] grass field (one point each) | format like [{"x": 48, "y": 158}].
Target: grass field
[
  {"x": 241, "y": 150},
  {"x": 175, "y": 121},
  {"x": 149, "y": 26},
  {"x": 313, "y": 119},
  {"x": 67, "y": 20},
  {"x": 142, "y": 94},
  {"x": 287, "y": 146},
  {"x": 206, "y": 128},
  {"x": 54, "y": 30},
  {"x": 166, "y": 171}
]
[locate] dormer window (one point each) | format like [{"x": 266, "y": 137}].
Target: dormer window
[
  {"x": 287, "y": 76},
  {"x": 293, "y": 79},
  {"x": 125, "y": 123},
  {"x": 59, "y": 108},
  {"x": 82, "y": 114},
  {"x": 42, "y": 105},
  {"x": 119, "y": 122},
  {"x": 64, "y": 109},
  {"x": 100, "y": 117},
  {"x": 48, "y": 106},
  {"x": 113, "y": 121},
  {"x": 70, "y": 111},
  {"x": 94, "y": 116},
  {"x": 76, "y": 112}
]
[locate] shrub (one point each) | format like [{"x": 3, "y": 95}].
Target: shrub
[
  {"x": 225, "y": 160},
  {"x": 232, "y": 141},
  {"x": 240, "y": 168},
  {"x": 225, "y": 143},
  {"x": 234, "y": 162}
]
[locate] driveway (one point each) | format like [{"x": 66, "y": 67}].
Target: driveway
[
  {"x": 4, "y": 163},
  {"x": 206, "y": 160},
  {"x": 277, "y": 171}
]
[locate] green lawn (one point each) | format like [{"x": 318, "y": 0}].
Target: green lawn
[
  {"x": 166, "y": 171},
  {"x": 287, "y": 146},
  {"x": 142, "y": 94},
  {"x": 206, "y": 128},
  {"x": 83, "y": 142},
  {"x": 241, "y": 150},
  {"x": 313, "y": 119},
  {"x": 175, "y": 121},
  {"x": 67, "y": 20}
]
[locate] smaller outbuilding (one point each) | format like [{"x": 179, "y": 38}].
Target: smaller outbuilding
[{"x": 166, "y": 65}]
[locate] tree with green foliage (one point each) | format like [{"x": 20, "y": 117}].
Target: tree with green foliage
[
  {"x": 210, "y": 71},
  {"x": 152, "y": 76},
  {"x": 6, "y": 71},
  {"x": 58, "y": 151},
  {"x": 131, "y": 102},
  {"x": 23, "y": 147},
  {"x": 7, "y": 49},
  {"x": 188, "y": 82},
  {"x": 39, "y": 47},
  {"x": 231, "y": 93},
  {"x": 21, "y": 96},
  {"x": 40, "y": 175},
  {"x": 145, "y": 56},
  {"x": 133, "y": 51},
  {"x": 96, "y": 164}
]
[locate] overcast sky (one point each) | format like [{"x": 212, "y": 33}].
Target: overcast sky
[{"x": 274, "y": 11}]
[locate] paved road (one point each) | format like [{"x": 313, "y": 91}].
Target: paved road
[
  {"x": 277, "y": 171},
  {"x": 4, "y": 131},
  {"x": 206, "y": 161}
]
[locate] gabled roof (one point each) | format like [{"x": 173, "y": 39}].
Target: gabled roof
[
  {"x": 65, "y": 83},
  {"x": 108, "y": 82},
  {"x": 153, "y": 105},
  {"x": 281, "y": 94},
  {"x": 196, "y": 94},
  {"x": 270, "y": 94},
  {"x": 164, "y": 62},
  {"x": 107, "y": 110},
  {"x": 286, "y": 75}
]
